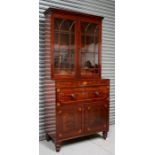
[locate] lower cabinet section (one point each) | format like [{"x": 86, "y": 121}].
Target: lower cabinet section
[
  {"x": 77, "y": 119},
  {"x": 81, "y": 109}
]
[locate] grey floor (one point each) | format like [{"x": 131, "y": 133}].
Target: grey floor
[{"x": 92, "y": 145}]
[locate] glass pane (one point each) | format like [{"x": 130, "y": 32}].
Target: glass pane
[
  {"x": 89, "y": 48},
  {"x": 64, "y": 47}
]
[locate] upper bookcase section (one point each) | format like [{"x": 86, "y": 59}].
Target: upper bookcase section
[{"x": 75, "y": 44}]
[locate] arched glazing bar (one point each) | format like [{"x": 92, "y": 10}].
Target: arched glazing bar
[
  {"x": 95, "y": 35},
  {"x": 70, "y": 44},
  {"x": 65, "y": 34},
  {"x": 59, "y": 42},
  {"x": 85, "y": 41},
  {"x": 85, "y": 35}
]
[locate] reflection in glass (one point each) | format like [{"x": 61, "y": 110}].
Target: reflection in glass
[{"x": 89, "y": 48}]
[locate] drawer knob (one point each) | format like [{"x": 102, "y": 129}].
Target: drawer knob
[
  {"x": 84, "y": 83},
  {"x": 97, "y": 93},
  {"x": 73, "y": 96},
  {"x": 88, "y": 108}
]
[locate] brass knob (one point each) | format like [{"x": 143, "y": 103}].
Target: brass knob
[{"x": 88, "y": 129}]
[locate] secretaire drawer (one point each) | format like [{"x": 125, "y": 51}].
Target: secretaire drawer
[
  {"x": 81, "y": 83},
  {"x": 75, "y": 94}
]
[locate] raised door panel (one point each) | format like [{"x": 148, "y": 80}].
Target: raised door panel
[
  {"x": 96, "y": 116},
  {"x": 69, "y": 121}
]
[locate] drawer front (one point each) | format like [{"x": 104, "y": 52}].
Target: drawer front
[
  {"x": 82, "y": 93},
  {"x": 81, "y": 83}
]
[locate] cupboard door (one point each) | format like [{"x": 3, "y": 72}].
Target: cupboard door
[
  {"x": 69, "y": 121},
  {"x": 64, "y": 47},
  {"x": 96, "y": 117},
  {"x": 89, "y": 53}
]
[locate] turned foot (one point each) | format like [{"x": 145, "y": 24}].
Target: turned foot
[
  {"x": 48, "y": 138},
  {"x": 105, "y": 134},
  {"x": 57, "y": 146}
]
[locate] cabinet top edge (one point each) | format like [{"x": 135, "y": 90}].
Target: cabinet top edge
[{"x": 75, "y": 13}]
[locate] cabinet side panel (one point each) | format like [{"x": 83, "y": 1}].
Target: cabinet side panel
[
  {"x": 49, "y": 85},
  {"x": 47, "y": 52},
  {"x": 50, "y": 118}
]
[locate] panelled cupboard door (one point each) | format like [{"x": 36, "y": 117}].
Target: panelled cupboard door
[
  {"x": 95, "y": 117},
  {"x": 69, "y": 121}
]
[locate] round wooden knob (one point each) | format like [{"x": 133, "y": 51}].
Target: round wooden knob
[
  {"x": 73, "y": 96},
  {"x": 97, "y": 93},
  {"x": 84, "y": 83}
]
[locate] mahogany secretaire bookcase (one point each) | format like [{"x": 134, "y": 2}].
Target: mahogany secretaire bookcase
[{"x": 80, "y": 101}]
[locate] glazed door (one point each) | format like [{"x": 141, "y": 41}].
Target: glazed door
[
  {"x": 64, "y": 65},
  {"x": 76, "y": 48},
  {"x": 96, "y": 116},
  {"x": 89, "y": 49},
  {"x": 69, "y": 121}
]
